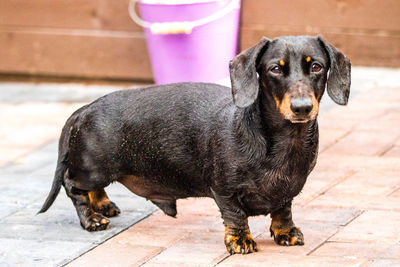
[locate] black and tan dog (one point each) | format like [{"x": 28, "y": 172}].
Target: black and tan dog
[{"x": 251, "y": 154}]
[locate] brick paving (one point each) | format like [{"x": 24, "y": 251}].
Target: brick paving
[{"x": 349, "y": 209}]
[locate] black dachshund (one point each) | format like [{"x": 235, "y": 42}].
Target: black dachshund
[{"x": 252, "y": 153}]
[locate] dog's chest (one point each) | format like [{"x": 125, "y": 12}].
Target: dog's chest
[{"x": 282, "y": 178}]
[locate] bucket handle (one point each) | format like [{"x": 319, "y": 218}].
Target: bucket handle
[{"x": 178, "y": 27}]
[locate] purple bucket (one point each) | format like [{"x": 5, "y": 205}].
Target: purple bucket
[{"x": 201, "y": 54}]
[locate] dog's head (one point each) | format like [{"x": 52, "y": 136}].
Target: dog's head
[{"x": 293, "y": 71}]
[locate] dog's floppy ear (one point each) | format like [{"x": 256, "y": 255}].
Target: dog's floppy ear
[
  {"x": 243, "y": 74},
  {"x": 338, "y": 85}
]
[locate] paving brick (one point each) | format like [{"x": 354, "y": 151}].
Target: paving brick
[
  {"x": 360, "y": 250},
  {"x": 197, "y": 249},
  {"x": 394, "y": 151},
  {"x": 387, "y": 123},
  {"x": 153, "y": 236},
  {"x": 355, "y": 112},
  {"x": 29, "y": 135},
  {"x": 359, "y": 111},
  {"x": 332, "y": 216},
  {"x": 284, "y": 260},
  {"x": 372, "y": 226},
  {"x": 365, "y": 189},
  {"x": 12, "y": 154},
  {"x": 335, "y": 161},
  {"x": 364, "y": 143},
  {"x": 328, "y": 137},
  {"x": 384, "y": 263},
  {"x": 29, "y": 126},
  {"x": 319, "y": 181},
  {"x": 372, "y": 183},
  {"x": 380, "y": 95},
  {"x": 332, "y": 122},
  {"x": 115, "y": 254},
  {"x": 20, "y": 252},
  {"x": 395, "y": 195},
  {"x": 356, "y": 201}
]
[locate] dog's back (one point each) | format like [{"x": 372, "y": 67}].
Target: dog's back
[{"x": 138, "y": 131}]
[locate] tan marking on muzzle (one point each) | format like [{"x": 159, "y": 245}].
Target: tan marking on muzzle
[
  {"x": 284, "y": 106},
  {"x": 314, "y": 112}
]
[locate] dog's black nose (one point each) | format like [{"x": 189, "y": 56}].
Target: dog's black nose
[{"x": 301, "y": 106}]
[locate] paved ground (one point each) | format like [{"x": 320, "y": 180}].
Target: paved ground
[{"x": 349, "y": 209}]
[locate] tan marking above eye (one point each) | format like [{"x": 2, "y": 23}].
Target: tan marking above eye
[
  {"x": 282, "y": 62},
  {"x": 308, "y": 59}
]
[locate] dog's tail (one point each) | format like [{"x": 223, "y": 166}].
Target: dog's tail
[
  {"x": 56, "y": 186},
  {"x": 61, "y": 168}
]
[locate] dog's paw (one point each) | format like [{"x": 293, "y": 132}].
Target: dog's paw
[
  {"x": 96, "y": 222},
  {"x": 109, "y": 210},
  {"x": 240, "y": 244},
  {"x": 288, "y": 237}
]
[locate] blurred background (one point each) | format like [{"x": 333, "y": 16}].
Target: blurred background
[{"x": 96, "y": 39}]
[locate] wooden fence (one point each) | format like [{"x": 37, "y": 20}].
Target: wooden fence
[{"x": 97, "y": 39}]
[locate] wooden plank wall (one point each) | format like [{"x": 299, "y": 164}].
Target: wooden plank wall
[
  {"x": 97, "y": 39},
  {"x": 368, "y": 31},
  {"x": 77, "y": 38}
]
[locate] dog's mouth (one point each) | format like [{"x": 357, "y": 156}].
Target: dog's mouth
[
  {"x": 299, "y": 120},
  {"x": 303, "y": 119}
]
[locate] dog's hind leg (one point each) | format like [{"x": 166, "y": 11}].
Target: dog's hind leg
[
  {"x": 283, "y": 229},
  {"x": 90, "y": 219},
  {"x": 100, "y": 202}
]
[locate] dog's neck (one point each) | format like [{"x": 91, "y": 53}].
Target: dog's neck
[{"x": 262, "y": 129}]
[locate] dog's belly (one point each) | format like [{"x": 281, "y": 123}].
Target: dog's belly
[
  {"x": 145, "y": 188},
  {"x": 154, "y": 191}
]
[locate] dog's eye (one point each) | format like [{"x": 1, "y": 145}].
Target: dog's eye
[
  {"x": 276, "y": 70},
  {"x": 316, "y": 67}
]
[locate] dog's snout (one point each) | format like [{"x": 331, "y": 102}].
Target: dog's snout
[{"x": 301, "y": 106}]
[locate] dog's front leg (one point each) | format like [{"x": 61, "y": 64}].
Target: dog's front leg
[
  {"x": 238, "y": 238},
  {"x": 283, "y": 229}
]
